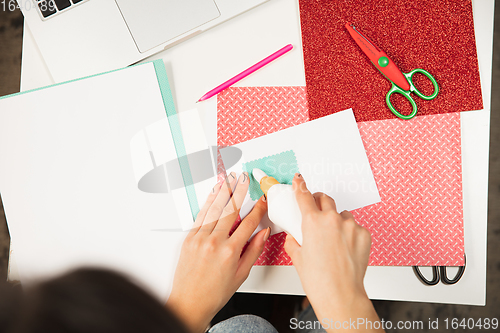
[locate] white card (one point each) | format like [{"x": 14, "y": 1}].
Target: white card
[{"x": 330, "y": 156}]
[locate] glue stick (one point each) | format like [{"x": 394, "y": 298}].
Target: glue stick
[{"x": 283, "y": 209}]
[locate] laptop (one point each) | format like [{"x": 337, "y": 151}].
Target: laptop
[{"x": 84, "y": 37}]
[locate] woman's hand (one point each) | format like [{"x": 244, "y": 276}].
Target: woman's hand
[
  {"x": 333, "y": 257},
  {"x": 211, "y": 267}
]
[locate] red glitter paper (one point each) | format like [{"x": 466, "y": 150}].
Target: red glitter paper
[{"x": 437, "y": 36}]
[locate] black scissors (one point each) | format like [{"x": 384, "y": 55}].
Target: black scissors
[{"x": 439, "y": 274}]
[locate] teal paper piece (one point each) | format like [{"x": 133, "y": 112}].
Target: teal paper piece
[
  {"x": 61, "y": 83},
  {"x": 175, "y": 129},
  {"x": 282, "y": 167}
]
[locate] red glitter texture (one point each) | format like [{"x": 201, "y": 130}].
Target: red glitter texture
[{"x": 437, "y": 36}]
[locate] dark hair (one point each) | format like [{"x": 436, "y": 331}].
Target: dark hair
[{"x": 84, "y": 301}]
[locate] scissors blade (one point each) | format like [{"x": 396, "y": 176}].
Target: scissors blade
[{"x": 378, "y": 58}]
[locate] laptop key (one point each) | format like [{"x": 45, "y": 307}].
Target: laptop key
[
  {"x": 62, "y": 4},
  {"x": 47, "y": 8},
  {"x": 76, "y": 1}
]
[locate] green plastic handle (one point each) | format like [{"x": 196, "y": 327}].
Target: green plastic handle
[
  {"x": 396, "y": 90},
  {"x": 409, "y": 77}
]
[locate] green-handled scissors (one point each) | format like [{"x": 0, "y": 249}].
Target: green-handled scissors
[{"x": 401, "y": 82}]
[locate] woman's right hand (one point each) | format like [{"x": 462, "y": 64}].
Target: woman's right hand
[{"x": 333, "y": 258}]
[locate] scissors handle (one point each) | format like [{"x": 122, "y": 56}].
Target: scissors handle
[
  {"x": 444, "y": 277},
  {"x": 440, "y": 274},
  {"x": 409, "y": 77},
  {"x": 435, "y": 276},
  {"x": 406, "y": 93}
]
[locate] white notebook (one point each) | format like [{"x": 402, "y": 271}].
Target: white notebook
[{"x": 69, "y": 181}]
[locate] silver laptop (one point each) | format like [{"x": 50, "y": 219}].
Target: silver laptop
[{"x": 83, "y": 37}]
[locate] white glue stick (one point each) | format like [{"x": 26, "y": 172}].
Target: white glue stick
[{"x": 283, "y": 209}]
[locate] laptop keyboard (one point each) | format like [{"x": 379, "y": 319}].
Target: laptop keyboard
[{"x": 50, "y": 7}]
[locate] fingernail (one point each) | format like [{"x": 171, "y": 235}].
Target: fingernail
[
  {"x": 299, "y": 175},
  {"x": 264, "y": 198},
  {"x": 267, "y": 234},
  {"x": 230, "y": 177},
  {"x": 244, "y": 177}
]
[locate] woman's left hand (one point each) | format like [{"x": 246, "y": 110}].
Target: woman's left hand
[{"x": 211, "y": 267}]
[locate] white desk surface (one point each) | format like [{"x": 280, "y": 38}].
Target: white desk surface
[{"x": 206, "y": 60}]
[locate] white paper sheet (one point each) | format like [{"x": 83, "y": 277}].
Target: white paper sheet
[
  {"x": 68, "y": 185},
  {"x": 330, "y": 156}
]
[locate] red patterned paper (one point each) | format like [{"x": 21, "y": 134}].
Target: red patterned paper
[
  {"x": 247, "y": 113},
  {"x": 418, "y": 170},
  {"x": 274, "y": 252},
  {"x": 437, "y": 36},
  {"x": 416, "y": 164}
]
